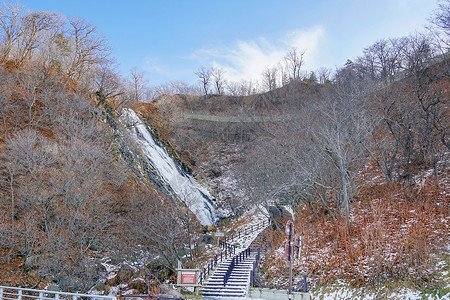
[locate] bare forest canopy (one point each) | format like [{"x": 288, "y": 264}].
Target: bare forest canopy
[{"x": 72, "y": 192}]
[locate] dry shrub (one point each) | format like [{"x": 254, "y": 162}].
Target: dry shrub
[{"x": 389, "y": 239}]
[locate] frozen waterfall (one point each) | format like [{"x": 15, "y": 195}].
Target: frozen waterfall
[{"x": 185, "y": 187}]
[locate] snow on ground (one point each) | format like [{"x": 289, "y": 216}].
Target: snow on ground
[
  {"x": 344, "y": 292},
  {"x": 253, "y": 218}
]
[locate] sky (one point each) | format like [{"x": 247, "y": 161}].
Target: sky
[{"x": 171, "y": 39}]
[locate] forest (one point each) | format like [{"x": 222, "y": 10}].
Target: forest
[{"x": 359, "y": 154}]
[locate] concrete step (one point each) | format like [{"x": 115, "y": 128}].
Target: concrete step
[{"x": 236, "y": 285}]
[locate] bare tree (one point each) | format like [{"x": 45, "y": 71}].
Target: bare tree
[
  {"x": 162, "y": 227},
  {"x": 138, "y": 83},
  {"x": 294, "y": 61},
  {"x": 204, "y": 74},
  {"x": 340, "y": 135},
  {"x": 440, "y": 29},
  {"x": 441, "y": 19},
  {"x": 219, "y": 79},
  {"x": 10, "y": 23},
  {"x": 324, "y": 75},
  {"x": 33, "y": 25},
  {"x": 7, "y": 110},
  {"x": 270, "y": 78},
  {"x": 87, "y": 47},
  {"x": 233, "y": 88}
]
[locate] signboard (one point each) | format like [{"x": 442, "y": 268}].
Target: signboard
[
  {"x": 188, "y": 278},
  {"x": 288, "y": 251},
  {"x": 297, "y": 246},
  {"x": 290, "y": 235},
  {"x": 289, "y": 228}
]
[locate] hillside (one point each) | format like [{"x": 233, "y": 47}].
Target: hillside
[
  {"x": 76, "y": 193},
  {"x": 359, "y": 162},
  {"x": 396, "y": 232}
]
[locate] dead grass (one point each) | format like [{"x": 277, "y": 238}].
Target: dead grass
[{"x": 389, "y": 239}]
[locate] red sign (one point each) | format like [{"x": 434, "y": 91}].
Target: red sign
[
  {"x": 288, "y": 251},
  {"x": 289, "y": 228},
  {"x": 188, "y": 278},
  {"x": 290, "y": 234}
]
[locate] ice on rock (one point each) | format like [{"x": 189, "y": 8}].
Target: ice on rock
[{"x": 184, "y": 186}]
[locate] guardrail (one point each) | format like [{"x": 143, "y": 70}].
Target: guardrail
[
  {"x": 247, "y": 230},
  {"x": 237, "y": 259},
  {"x": 224, "y": 245},
  {"x": 302, "y": 285},
  {"x": 253, "y": 271},
  {"x": 160, "y": 297},
  {"x": 13, "y": 293},
  {"x": 214, "y": 262},
  {"x": 229, "y": 249}
]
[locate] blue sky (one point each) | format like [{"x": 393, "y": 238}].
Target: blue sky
[{"x": 171, "y": 39}]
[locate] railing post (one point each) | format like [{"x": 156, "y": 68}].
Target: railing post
[
  {"x": 19, "y": 295},
  {"x": 56, "y": 296},
  {"x": 1, "y": 293},
  {"x": 41, "y": 295},
  {"x": 74, "y": 297}
]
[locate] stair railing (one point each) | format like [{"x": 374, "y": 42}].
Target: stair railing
[
  {"x": 302, "y": 284},
  {"x": 247, "y": 230},
  {"x": 234, "y": 262},
  {"x": 255, "y": 266},
  {"x": 150, "y": 297},
  {"x": 226, "y": 245},
  {"x": 224, "y": 254},
  {"x": 229, "y": 249}
]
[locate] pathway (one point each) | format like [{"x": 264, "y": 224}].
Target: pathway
[{"x": 233, "y": 276}]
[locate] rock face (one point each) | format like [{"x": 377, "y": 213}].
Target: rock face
[{"x": 31, "y": 263}]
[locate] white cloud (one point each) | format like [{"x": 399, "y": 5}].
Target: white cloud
[
  {"x": 153, "y": 65},
  {"x": 248, "y": 59}
]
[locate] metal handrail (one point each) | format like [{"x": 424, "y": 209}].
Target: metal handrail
[
  {"x": 15, "y": 293},
  {"x": 302, "y": 284},
  {"x": 247, "y": 230},
  {"x": 255, "y": 265},
  {"x": 229, "y": 249},
  {"x": 226, "y": 245},
  {"x": 162, "y": 297}
]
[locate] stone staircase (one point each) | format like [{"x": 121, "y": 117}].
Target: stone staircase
[{"x": 236, "y": 283}]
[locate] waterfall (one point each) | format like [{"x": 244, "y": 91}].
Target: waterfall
[{"x": 184, "y": 186}]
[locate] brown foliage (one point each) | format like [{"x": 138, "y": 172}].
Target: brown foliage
[{"x": 390, "y": 239}]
